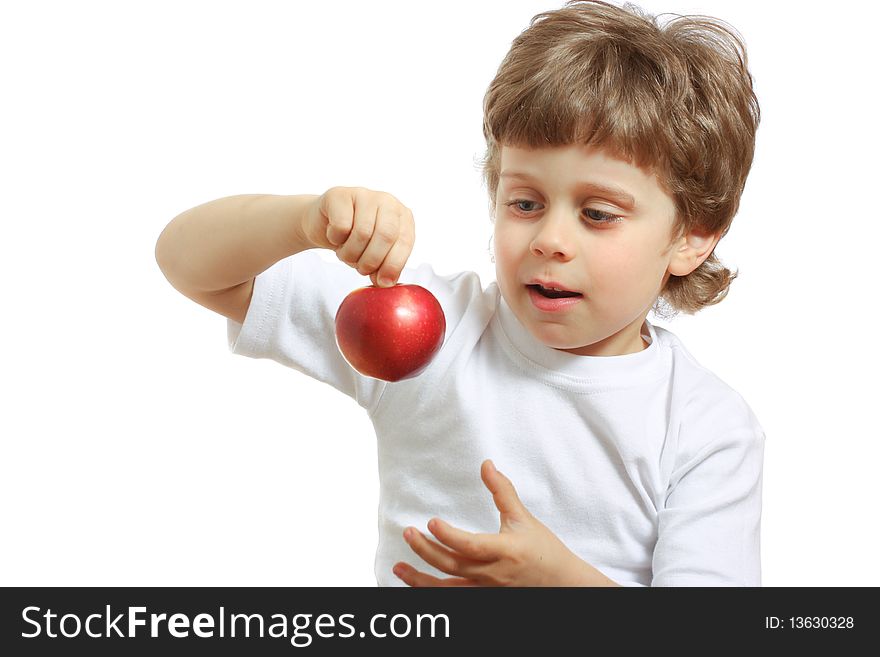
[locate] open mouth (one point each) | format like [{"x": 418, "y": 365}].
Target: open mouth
[{"x": 554, "y": 293}]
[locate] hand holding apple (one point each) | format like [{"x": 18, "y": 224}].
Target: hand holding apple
[
  {"x": 390, "y": 333},
  {"x": 370, "y": 231}
]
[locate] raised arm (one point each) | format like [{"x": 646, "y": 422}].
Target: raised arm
[{"x": 212, "y": 253}]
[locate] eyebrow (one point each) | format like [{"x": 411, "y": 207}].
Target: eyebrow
[{"x": 611, "y": 191}]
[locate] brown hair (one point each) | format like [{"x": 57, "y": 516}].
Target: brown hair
[{"x": 676, "y": 100}]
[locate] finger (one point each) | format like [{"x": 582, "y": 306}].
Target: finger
[
  {"x": 384, "y": 235},
  {"x": 417, "y": 578},
  {"x": 479, "y": 547},
  {"x": 503, "y": 492},
  {"x": 398, "y": 255},
  {"x": 361, "y": 233},
  {"x": 439, "y": 556},
  {"x": 338, "y": 209}
]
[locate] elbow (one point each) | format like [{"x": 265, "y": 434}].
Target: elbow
[
  {"x": 164, "y": 253},
  {"x": 160, "y": 252}
]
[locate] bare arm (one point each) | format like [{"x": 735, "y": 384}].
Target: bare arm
[{"x": 212, "y": 253}]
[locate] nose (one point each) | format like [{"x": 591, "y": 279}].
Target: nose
[{"x": 552, "y": 239}]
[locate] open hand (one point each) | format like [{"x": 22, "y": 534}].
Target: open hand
[{"x": 523, "y": 553}]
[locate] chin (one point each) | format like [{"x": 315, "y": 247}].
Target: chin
[
  {"x": 567, "y": 346},
  {"x": 555, "y": 341}
]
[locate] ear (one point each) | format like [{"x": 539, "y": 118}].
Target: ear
[{"x": 690, "y": 252}]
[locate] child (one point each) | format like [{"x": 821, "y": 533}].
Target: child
[{"x": 617, "y": 152}]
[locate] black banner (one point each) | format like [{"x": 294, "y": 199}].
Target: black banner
[{"x": 277, "y": 621}]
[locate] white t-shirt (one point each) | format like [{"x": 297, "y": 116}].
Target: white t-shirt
[{"x": 646, "y": 465}]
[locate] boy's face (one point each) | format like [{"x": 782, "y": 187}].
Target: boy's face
[{"x": 560, "y": 231}]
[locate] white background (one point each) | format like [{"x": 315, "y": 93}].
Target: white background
[{"x": 136, "y": 450}]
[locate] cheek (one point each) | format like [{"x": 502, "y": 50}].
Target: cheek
[
  {"x": 621, "y": 270},
  {"x": 609, "y": 261},
  {"x": 636, "y": 283},
  {"x": 507, "y": 249}
]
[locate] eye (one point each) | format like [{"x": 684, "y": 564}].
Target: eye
[
  {"x": 602, "y": 217},
  {"x": 597, "y": 217},
  {"x": 517, "y": 204}
]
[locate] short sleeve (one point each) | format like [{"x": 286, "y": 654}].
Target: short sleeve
[
  {"x": 709, "y": 527},
  {"x": 291, "y": 319}
]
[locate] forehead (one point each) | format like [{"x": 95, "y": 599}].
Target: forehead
[{"x": 577, "y": 161}]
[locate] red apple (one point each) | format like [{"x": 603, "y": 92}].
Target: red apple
[{"x": 390, "y": 333}]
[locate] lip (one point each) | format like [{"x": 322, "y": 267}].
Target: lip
[
  {"x": 543, "y": 283},
  {"x": 547, "y": 305}
]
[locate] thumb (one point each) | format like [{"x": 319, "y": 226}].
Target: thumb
[{"x": 503, "y": 492}]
